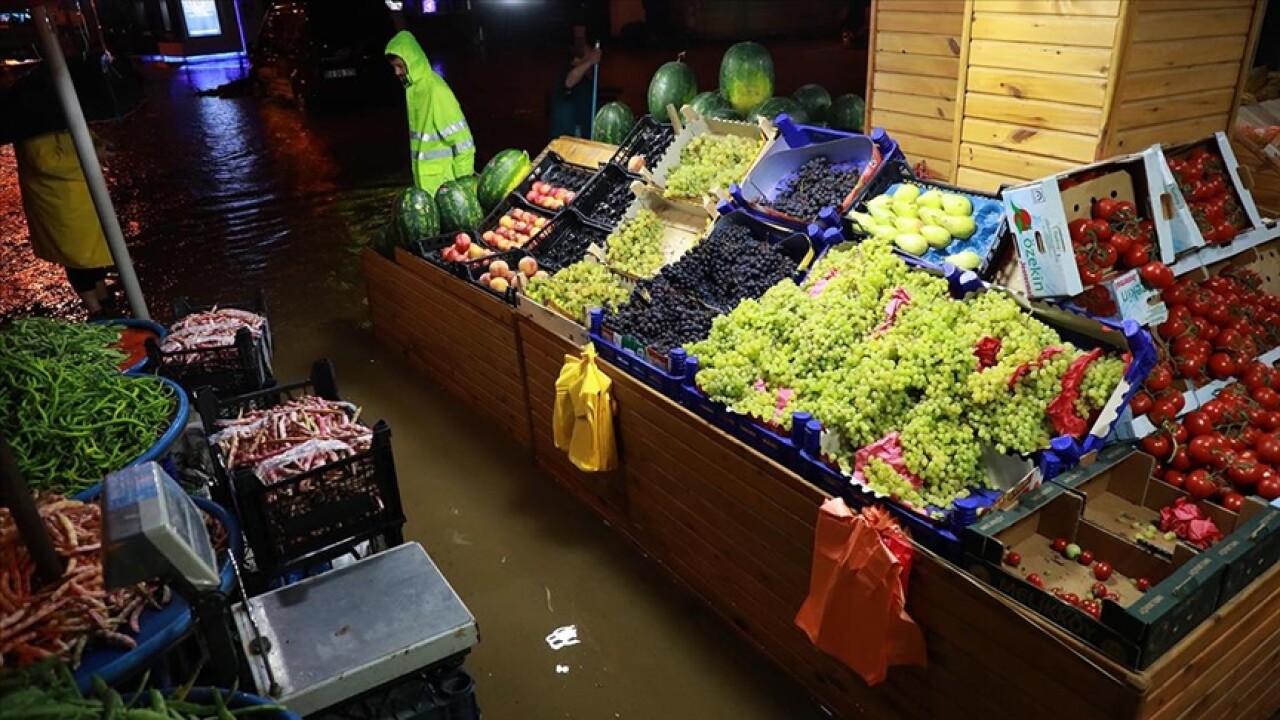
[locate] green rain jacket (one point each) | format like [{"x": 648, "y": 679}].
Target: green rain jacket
[{"x": 440, "y": 143}]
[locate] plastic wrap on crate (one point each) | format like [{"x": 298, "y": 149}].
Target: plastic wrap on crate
[
  {"x": 158, "y": 628},
  {"x": 554, "y": 170},
  {"x": 244, "y": 365},
  {"x": 650, "y": 138}
]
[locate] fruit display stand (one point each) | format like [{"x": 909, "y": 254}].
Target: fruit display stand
[
  {"x": 737, "y": 530},
  {"x": 990, "y": 92}
]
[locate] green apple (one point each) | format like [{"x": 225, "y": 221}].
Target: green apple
[
  {"x": 965, "y": 260},
  {"x": 906, "y": 192},
  {"x": 957, "y": 205},
  {"x": 936, "y": 236},
  {"x": 881, "y": 213},
  {"x": 929, "y": 215},
  {"x": 911, "y": 243},
  {"x": 905, "y": 208},
  {"x": 961, "y": 227},
  {"x": 907, "y": 224},
  {"x": 930, "y": 199}
]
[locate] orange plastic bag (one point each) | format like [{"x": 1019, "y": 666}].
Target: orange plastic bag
[{"x": 857, "y": 593}]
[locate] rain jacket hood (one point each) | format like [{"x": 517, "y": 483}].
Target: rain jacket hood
[{"x": 440, "y": 144}]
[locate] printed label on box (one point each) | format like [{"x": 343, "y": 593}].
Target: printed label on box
[
  {"x": 1044, "y": 250},
  {"x": 1134, "y": 299}
]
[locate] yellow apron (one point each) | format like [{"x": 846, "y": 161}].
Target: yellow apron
[{"x": 64, "y": 226}]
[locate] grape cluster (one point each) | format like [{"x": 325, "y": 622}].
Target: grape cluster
[
  {"x": 818, "y": 183},
  {"x": 728, "y": 266},
  {"x": 567, "y": 244},
  {"x": 827, "y": 347},
  {"x": 661, "y": 317},
  {"x": 581, "y": 286},
  {"x": 709, "y": 162},
  {"x": 635, "y": 246}
]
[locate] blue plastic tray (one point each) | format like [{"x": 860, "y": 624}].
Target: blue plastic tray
[{"x": 159, "y": 628}]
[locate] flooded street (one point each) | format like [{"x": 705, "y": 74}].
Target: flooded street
[{"x": 219, "y": 197}]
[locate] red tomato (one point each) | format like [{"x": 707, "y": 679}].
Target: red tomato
[
  {"x": 1174, "y": 296},
  {"x": 1104, "y": 208},
  {"x": 1179, "y": 434},
  {"x": 1059, "y": 545},
  {"x": 1222, "y": 365},
  {"x": 1013, "y": 559},
  {"x": 1142, "y": 584},
  {"x": 1160, "y": 378},
  {"x": 1267, "y": 398},
  {"x": 1197, "y": 423},
  {"x": 1102, "y": 570},
  {"x": 1086, "y": 558},
  {"x": 1271, "y": 422},
  {"x": 1174, "y": 478},
  {"x": 1078, "y": 229},
  {"x": 1199, "y": 486},
  {"x": 1156, "y": 274},
  {"x": 1122, "y": 241},
  {"x": 1204, "y": 449},
  {"x": 1180, "y": 460},
  {"x": 1244, "y": 475},
  {"x": 1098, "y": 590},
  {"x": 1035, "y": 579},
  {"x": 1090, "y": 274},
  {"x": 1105, "y": 255},
  {"x": 1140, "y": 403},
  {"x": 1191, "y": 366},
  {"x": 1156, "y": 445},
  {"x": 1233, "y": 501},
  {"x": 1136, "y": 256},
  {"x": 1269, "y": 488},
  {"x": 1268, "y": 449},
  {"x": 1215, "y": 409},
  {"x": 1223, "y": 233}
]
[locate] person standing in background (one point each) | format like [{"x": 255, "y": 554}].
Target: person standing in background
[
  {"x": 571, "y": 97},
  {"x": 440, "y": 144},
  {"x": 61, "y": 218}
]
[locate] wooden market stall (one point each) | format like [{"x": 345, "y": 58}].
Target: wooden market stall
[{"x": 988, "y": 92}]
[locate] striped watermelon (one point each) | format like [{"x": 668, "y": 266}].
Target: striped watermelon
[
  {"x": 815, "y": 100},
  {"x": 673, "y": 84},
  {"x": 416, "y": 217},
  {"x": 459, "y": 209},
  {"x": 613, "y": 122},
  {"x": 500, "y": 176},
  {"x": 746, "y": 76},
  {"x": 773, "y": 107},
  {"x": 846, "y": 113}
]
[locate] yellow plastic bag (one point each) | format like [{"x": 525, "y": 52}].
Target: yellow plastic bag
[{"x": 583, "y": 414}]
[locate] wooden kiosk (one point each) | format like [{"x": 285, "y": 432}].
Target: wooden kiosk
[{"x": 990, "y": 93}]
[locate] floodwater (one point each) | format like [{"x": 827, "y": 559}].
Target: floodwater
[{"x": 219, "y": 197}]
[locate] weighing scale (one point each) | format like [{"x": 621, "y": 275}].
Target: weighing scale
[{"x": 310, "y": 646}]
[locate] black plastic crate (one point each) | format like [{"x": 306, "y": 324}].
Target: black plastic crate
[
  {"x": 316, "y": 515},
  {"x": 242, "y": 366},
  {"x": 511, "y": 202},
  {"x": 649, "y": 138},
  {"x": 431, "y": 249},
  {"x": 566, "y": 242},
  {"x": 554, "y": 170},
  {"x": 471, "y": 272},
  {"x": 606, "y": 198},
  {"x": 445, "y": 695}
]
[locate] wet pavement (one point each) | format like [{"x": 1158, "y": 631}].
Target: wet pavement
[{"x": 219, "y": 197}]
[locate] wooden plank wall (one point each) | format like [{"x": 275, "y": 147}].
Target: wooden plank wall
[
  {"x": 1035, "y": 88},
  {"x": 459, "y": 337},
  {"x": 912, "y": 79},
  {"x": 1179, "y": 76}
]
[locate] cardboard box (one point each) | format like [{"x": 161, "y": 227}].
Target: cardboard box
[
  {"x": 1134, "y": 629},
  {"x": 1038, "y": 213},
  {"x": 695, "y": 125}
]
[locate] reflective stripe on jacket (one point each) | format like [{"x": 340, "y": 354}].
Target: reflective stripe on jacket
[{"x": 440, "y": 144}]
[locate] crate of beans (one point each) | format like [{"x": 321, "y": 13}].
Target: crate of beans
[
  {"x": 308, "y": 479},
  {"x": 225, "y": 347}
]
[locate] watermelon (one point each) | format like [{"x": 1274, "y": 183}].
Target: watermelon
[
  {"x": 459, "y": 209},
  {"x": 846, "y": 113},
  {"x": 773, "y": 107},
  {"x": 500, "y": 176},
  {"x": 416, "y": 217},
  {"x": 746, "y": 76},
  {"x": 386, "y": 239},
  {"x": 673, "y": 84},
  {"x": 815, "y": 100},
  {"x": 612, "y": 124},
  {"x": 470, "y": 182},
  {"x": 711, "y": 102}
]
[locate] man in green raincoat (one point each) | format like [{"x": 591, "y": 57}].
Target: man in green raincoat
[{"x": 440, "y": 143}]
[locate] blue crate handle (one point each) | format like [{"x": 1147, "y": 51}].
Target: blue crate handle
[{"x": 766, "y": 176}]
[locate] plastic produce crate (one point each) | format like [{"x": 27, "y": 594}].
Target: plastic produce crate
[
  {"x": 318, "y": 514},
  {"x": 473, "y": 270},
  {"x": 648, "y": 138},
  {"x": 242, "y": 366},
  {"x": 988, "y": 212},
  {"x": 567, "y": 239},
  {"x": 553, "y": 170},
  {"x": 605, "y": 199}
]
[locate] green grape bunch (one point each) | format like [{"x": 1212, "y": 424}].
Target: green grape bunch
[
  {"x": 863, "y": 376},
  {"x": 635, "y": 246},
  {"x": 709, "y": 162},
  {"x": 578, "y": 288}
]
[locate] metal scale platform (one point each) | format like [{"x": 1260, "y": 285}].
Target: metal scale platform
[{"x": 329, "y": 638}]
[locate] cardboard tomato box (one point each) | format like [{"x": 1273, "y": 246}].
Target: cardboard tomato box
[
  {"x": 1038, "y": 212},
  {"x": 1135, "y": 627}
]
